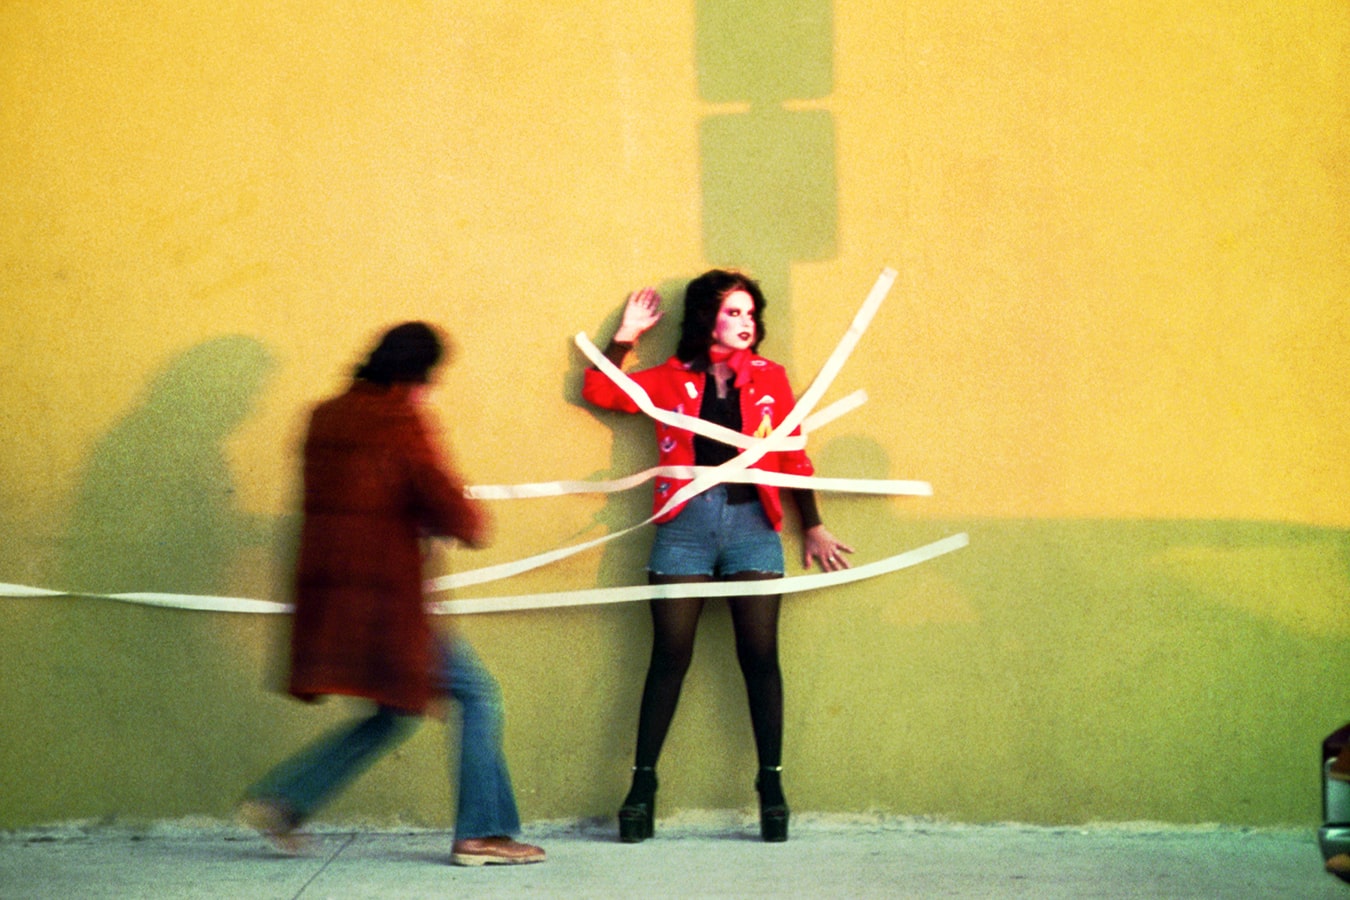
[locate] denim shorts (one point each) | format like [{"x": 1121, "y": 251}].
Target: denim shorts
[{"x": 713, "y": 537}]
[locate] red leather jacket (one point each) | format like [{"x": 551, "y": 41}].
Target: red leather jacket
[{"x": 766, "y": 399}]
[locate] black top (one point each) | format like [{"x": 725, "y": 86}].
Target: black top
[{"x": 724, "y": 411}]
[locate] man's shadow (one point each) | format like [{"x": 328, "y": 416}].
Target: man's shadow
[{"x": 155, "y": 511}]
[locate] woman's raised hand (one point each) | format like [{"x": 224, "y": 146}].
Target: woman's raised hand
[{"x": 642, "y": 311}]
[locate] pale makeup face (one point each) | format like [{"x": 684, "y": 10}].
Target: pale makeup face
[{"x": 735, "y": 325}]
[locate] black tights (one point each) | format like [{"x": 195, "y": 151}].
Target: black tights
[{"x": 674, "y": 621}]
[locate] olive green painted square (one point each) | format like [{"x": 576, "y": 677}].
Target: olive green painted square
[
  {"x": 769, "y": 186},
  {"x": 763, "y": 52}
]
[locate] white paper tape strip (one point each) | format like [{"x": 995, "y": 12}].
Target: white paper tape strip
[
  {"x": 892, "y": 487},
  {"x": 195, "y": 602},
  {"x": 20, "y": 590},
  {"x": 789, "y": 585},
  {"x": 820, "y": 419},
  {"x": 201, "y": 603}
]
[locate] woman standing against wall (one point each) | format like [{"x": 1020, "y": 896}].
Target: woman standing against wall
[{"x": 726, "y": 533}]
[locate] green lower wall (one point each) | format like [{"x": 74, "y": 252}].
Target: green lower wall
[{"x": 1051, "y": 672}]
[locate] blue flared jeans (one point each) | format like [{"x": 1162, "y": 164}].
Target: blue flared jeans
[{"x": 486, "y": 799}]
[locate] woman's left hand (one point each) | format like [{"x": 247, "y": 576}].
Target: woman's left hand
[{"x": 818, "y": 545}]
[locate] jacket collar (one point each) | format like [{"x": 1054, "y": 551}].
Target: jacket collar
[{"x": 739, "y": 361}]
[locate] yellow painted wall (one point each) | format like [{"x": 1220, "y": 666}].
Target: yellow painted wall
[{"x": 1116, "y": 349}]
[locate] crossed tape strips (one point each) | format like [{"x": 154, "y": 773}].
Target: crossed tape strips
[{"x": 801, "y": 420}]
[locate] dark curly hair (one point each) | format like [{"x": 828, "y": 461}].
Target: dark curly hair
[
  {"x": 406, "y": 354},
  {"x": 702, "y": 299}
]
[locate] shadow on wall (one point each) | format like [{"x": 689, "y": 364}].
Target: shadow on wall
[
  {"x": 123, "y": 706},
  {"x": 768, "y": 174},
  {"x": 155, "y": 509},
  {"x": 623, "y": 658}
]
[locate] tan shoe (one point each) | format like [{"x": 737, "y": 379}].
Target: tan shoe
[
  {"x": 495, "y": 851},
  {"x": 1339, "y": 864},
  {"x": 274, "y": 822}
]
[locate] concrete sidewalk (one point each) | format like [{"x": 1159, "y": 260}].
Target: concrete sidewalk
[{"x": 699, "y": 855}]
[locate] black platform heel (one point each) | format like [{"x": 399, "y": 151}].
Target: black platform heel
[
  {"x": 638, "y": 813},
  {"x": 773, "y": 808}
]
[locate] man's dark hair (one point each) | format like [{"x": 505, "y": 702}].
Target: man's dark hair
[{"x": 405, "y": 355}]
